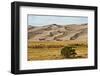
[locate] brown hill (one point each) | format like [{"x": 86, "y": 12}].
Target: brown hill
[{"x": 56, "y": 32}]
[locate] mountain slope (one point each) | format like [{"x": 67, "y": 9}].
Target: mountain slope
[{"x": 56, "y": 32}]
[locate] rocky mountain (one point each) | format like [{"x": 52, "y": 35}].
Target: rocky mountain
[{"x": 55, "y": 32}]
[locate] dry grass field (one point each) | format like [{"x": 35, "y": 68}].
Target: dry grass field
[{"x": 45, "y": 50}]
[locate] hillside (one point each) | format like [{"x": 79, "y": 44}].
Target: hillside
[{"x": 55, "y": 32}]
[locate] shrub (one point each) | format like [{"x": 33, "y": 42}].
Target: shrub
[
  {"x": 51, "y": 34},
  {"x": 68, "y": 52}
]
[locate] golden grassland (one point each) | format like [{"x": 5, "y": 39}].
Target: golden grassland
[{"x": 45, "y": 50}]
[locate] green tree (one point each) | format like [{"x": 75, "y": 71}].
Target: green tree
[{"x": 68, "y": 52}]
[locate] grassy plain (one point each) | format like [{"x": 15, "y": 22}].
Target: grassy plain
[{"x": 46, "y": 50}]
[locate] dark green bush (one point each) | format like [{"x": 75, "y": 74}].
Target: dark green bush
[{"x": 68, "y": 52}]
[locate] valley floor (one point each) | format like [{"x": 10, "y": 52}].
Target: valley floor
[{"x": 52, "y": 50}]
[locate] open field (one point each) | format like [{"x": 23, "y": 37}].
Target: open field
[{"x": 45, "y": 50}]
